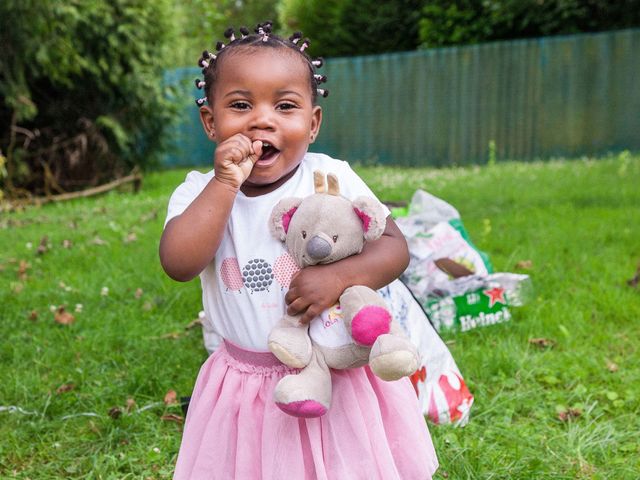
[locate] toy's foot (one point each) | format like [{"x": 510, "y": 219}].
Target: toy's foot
[
  {"x": 291, "y": 345},
  {"x": 369, "y": 323},
  {"x": 393, "y": 357},
  {"x": 303, "y": 408},
  {"x": 308, "y": 393}
]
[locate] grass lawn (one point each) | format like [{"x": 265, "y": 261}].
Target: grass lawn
[{"x": 85, "y": 400}]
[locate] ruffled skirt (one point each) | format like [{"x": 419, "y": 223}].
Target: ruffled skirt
[{"x": 233, "y": 430}]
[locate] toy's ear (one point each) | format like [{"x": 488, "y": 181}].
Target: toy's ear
[
  {"x": 281, "y": 217},
  {"x": 372, "y": 215}
]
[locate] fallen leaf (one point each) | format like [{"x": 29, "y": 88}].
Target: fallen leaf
[
  {"x": 44, "y": 245},
  {"x": 67, "y": 243},
  {"x": 138, "y": 293},
  {"x": 172, "y": 417},
  {"x": 611, "y": 366},
  {"x": 33, "y": 316},
  {"x": 22, "y": 269},
  {"x": 569, "y": 414},
  {"x": 65, "y": 387},
  {"x": 115, "y": 412},
  {"x": 524, "y": 265},
  {"x": 148, "y": 306},
  {"x": 193, "y": 323},
  {"x": 171, "y": 398},
  {"x": 131, "y": 404},
  {"x": 98, "y": 241},
  {"x": 542, "y": 342},
  {"x": 131, "y": 237},
  {"x": 63, "y": 317}
]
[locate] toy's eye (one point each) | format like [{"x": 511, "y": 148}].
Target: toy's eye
[
  {"x": 304, "y": 234},
  {"x": 335, "y": 238}
]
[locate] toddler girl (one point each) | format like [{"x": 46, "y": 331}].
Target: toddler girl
[{"x": 260, "y": 108}]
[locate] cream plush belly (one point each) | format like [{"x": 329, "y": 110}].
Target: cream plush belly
[{"x": 328, "y": 330}]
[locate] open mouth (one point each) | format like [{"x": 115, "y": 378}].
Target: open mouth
[{"x": 269, "y": 152}]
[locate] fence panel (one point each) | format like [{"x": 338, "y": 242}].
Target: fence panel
[{"x": 536, "y": 98}]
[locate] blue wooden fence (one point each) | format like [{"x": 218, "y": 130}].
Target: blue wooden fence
[{"x": 537, "y": 98}]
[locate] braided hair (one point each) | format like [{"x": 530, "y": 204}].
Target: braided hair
[{"x": 261, "y": 38}]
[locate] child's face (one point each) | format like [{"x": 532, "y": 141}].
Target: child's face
[{"x": 265, "y": 94}]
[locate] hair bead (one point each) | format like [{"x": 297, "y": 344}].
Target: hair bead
[
  {"x": 323, "y": 92},
  {"x": 305, "y": 44},
  {"x": 295, "y": 38},
  {"x": 318, "y": 62},
  {"x": 244, "y": 31},
  {"x": 203, "y": 63},
  {"x": 230, "y": 34},
  {"x": 219, "y": 46},
  {"x": 320, "y": 78},
  {"x": 199, "y": 84},
  {"x": 201, "y": 101}
]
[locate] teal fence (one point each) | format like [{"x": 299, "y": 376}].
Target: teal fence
[{"x": 539, "y": 98}]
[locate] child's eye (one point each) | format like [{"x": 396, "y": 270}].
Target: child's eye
[
  {"x": 240, "y": 105},
  {"x": 287, "y": 106}
]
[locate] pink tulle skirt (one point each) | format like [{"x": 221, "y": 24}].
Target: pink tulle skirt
[{"x": 233, "y": 430}]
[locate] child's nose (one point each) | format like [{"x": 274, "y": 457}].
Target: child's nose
[{"x": 262, "y": 118}]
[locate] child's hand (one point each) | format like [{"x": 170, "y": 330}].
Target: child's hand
[
  {"x": 234, "y": 159},
  {"x": 313, "y": 290}
]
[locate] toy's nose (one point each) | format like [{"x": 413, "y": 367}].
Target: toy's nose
[{"x": 318, "y": 248}]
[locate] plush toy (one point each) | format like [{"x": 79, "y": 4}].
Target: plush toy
[{"x": 323, "y": 228}]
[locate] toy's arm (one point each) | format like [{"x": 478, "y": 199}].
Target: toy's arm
[{"x": 318, "y": 287}]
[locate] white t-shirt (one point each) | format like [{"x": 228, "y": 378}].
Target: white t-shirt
[{"x": 243, "y": 288}]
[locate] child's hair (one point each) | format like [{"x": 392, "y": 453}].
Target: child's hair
[{"x": 261, "y": 38}]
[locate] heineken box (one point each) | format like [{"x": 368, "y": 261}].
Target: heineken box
[{"x": 478, "y": 301}]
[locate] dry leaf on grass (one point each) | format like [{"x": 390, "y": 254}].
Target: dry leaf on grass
[
  {"x": 542, "y": 342},
  {"x": 131, "y": 237},
  {"x": 98, "y": 241},
  {"x": 611, "y": 366},
  {"x": 524, "y": 265},
  {"x": 67, "y": 243},
  {"x": 172, "y": 417},
  {"x": 65, "y": 387},
  {"x": 171, "y": 398},
  {"x": 569, "y": 414},
  {"x": 44, "y": 245},
  {"x": 33, "y": 316},
  {"x": 115, "y": 412},
  {"x": 63, "y": 317},
  {"x": 22, "y": 269},
  {"x": 131, "y": 404},
  {"x": 138, "y": 293}
]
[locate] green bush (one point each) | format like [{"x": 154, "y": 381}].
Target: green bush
[
  {"x": 468, "y": 21},
  {"x": 81, "y": 92},
  {"x": 354, "y": 27}
]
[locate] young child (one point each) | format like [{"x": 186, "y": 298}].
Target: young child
[{"x": 261, "y": 111}]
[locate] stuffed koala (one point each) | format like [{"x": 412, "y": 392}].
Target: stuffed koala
[{"x": 319, "y": 229}]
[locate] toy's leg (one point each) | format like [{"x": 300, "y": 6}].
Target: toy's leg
[
  {"x": 393, "y": 356},
  {"x": 365, "y": 314},
  {"x": 290, "y": 342},
  {"x": 307, "y": 394}
]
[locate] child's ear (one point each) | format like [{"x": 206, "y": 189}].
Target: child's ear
[
  {"x": 316, "y": 120},
  {"x": 206, "y": 117}
]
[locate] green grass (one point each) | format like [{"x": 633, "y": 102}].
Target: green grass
[{"x": 578, "y": 222}]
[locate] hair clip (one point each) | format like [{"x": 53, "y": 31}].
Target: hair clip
[
  {"x": 229, "y": 33},
  {"x": 208, "y": 55},
  {"x": 305, "y": 44},
  {"x": 295, "y": 38},
  {"x": 219, "y": 46},
  {"x": 318, "y": 62},
  {"x": 203, "y": 63},
  {"x": 200, "y": 101},
  {"x": 244, "y": 31},
  {"x": 323, "y": 92},
  {"x": 199, "y": 83},
  {"x": 320, "y": 78}
]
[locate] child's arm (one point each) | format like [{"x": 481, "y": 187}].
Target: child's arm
[
  {"x": 318, "y": 287},
  {"x": 190, "y": 240}
]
